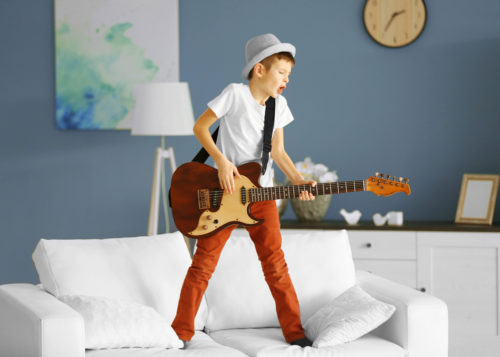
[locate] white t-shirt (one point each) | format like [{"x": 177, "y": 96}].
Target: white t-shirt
[{"x": 241, "y": 131}]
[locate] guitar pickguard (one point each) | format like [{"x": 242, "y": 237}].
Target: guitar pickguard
[{"x": 233, "y": 210}]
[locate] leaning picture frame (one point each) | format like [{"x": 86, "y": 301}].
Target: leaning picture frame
[{"x": 478, "y": 194}]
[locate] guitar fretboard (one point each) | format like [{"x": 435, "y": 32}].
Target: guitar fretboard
[{"x": 293, "y": 191}]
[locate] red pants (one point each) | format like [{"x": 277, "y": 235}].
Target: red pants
[{"x": 267, "y": 239}]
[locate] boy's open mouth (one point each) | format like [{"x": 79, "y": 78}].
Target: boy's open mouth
[{"x": 281, "y": 89}]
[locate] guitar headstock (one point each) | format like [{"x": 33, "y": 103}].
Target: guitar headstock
[{"x": 384, "y": 185}]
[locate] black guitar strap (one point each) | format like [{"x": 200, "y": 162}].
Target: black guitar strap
[
  {"x": 268, "y": 132},
  {"x": 203, "y": 155}
]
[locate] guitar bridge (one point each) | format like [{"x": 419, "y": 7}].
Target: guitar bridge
[{"x": 203, "y": 199}]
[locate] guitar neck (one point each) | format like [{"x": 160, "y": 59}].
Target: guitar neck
[{"x": 293, "y": 191}]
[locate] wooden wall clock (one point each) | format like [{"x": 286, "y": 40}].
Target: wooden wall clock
[{"x": 394, "y": 23}]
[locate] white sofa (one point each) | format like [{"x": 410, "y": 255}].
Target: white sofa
[{"x": 237, "y": 316}]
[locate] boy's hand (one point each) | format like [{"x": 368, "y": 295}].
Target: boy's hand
[
  {"x": 306, "y": 195},
  {"x": 226, "y": 173}
]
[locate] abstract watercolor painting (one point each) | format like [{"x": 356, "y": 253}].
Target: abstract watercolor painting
[{"x": 104, "y": 47}]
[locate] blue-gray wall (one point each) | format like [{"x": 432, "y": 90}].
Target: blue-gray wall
[{"x": 429, "y": 112}]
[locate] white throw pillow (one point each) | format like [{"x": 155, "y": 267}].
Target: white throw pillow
[
  {"x": 320, "y": 266},
  {"x": 111, "y": 323},
  {"x": 346, "y": 318},
  {"x": 147, "y": 270}
]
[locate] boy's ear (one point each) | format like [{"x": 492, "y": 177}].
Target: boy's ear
[{"x": 258, "y": 69}]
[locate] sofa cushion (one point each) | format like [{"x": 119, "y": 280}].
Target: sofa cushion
[
  {"x": 320, "y": 266},
  {"x": 201, "y": 345},
  {"x": 346, "y": 318},
  {"x": 148, "y": 270},
  {"x": 269, "y": 342},
  {"x": 111, "y": 323}
]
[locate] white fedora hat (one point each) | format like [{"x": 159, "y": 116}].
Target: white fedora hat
[{"x": 263, "y": 46}]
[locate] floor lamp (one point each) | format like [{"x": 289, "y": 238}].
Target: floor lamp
[{"x": 162, "y": 109}]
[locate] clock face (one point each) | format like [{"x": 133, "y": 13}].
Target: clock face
[{"x": 394, "y": 23}]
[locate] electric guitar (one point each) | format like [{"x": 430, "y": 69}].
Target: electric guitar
[{"x": 201, "y": 208}]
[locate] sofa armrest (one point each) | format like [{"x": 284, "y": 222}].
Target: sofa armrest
[
  {"x": 35, "y": 323},
  {"x": 420, "y": 322}
]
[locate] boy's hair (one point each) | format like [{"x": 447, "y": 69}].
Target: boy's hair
[{"x": 268, "y": 61}]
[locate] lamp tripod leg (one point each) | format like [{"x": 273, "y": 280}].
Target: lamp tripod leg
[
  {"x": 159, "y": 184},
  {"x": 154, "y": 206}
]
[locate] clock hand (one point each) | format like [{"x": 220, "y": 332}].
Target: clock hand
[
  {"x": 389, "y": 22},
  {"x": 392, "y": 18}
]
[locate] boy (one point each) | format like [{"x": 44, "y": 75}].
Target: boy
[{"x": 241, "y": 110}]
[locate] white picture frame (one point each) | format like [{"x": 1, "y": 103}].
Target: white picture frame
[{"x": 478, "y": 194}]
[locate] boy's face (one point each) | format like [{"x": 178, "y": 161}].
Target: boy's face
[{"x": 275, "y": 79}]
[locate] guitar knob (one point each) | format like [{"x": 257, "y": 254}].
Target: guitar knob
[
  {"x": 209, "y": 217},
  {"x": 205, "y": 227}
]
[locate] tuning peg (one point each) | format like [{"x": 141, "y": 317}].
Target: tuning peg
[
  {"x": 401, "y": 179},
  {"x": 377, "y": 174},
  {"x": 406, "y": 180},
  {"x": 382, "y": 175}
]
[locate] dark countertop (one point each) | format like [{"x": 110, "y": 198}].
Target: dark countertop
[{"x": 407, "y": 226}]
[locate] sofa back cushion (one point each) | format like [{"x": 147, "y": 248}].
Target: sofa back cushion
[
  {"x": 147, "y": 270},
  {"x": 320, "y": 266}
]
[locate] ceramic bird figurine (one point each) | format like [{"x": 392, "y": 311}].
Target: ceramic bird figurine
[
  {"x": 351, "y": 217},
  {"x": 379, "y": 220}
]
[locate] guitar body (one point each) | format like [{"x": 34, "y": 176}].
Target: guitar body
[{"x": 197, "y": 218}]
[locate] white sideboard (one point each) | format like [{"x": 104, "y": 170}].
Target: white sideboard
[
  {"x": 463, "y": 269},
  {"x": 386, "y": 253},
  {"x": 459, "y": 264}
]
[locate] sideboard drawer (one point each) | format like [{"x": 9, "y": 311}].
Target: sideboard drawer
[
  {"x": 383, "y": 245},
  {"x": 401, "y": 271}
]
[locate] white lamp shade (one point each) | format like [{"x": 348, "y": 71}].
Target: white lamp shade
[{"x": 162, "y": 108}]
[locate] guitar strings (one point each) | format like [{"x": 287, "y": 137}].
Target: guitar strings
[
  {"x": 294, "y": 188},
  {"x": 340, "y": 187}
]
